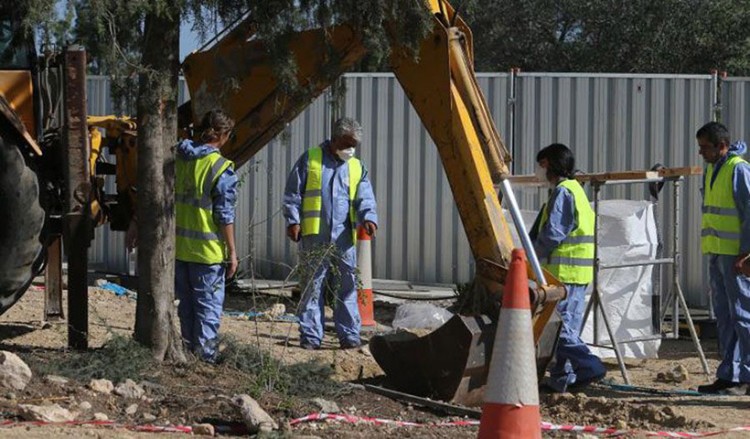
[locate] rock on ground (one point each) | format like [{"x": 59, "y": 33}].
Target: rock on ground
[
  {"x": 101, "y": 417},
  {"x": 85, "y": 406},
  {"x": 14, "y": 373},
  {"x": 102, "y": 386},
  {"x": 45, "y": 413},
  {"x": 204, "y": 429},
  {"x": 256, "y": 419},
  {"x": 54, "y": 379},
  {"x": 131, "y": 409},
  {"x": 129, "y": 389},
  {"x": 326, "y": 406}
]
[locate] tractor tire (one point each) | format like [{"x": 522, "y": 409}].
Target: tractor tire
[{"x": 21, "y": 223}]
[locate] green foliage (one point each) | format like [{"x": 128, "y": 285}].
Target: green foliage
[
  {"x": 119, "y": 359},
  {"x": 268, "y": 374},
  {"x": 668, "y": 36}
]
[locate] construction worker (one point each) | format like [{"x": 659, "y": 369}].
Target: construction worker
[
  {"x": 725, "y": 238},
  {"x": 205, "y": 197},
  {"x": 328, "y": 193},
  {"x": 563, "y": 237}
]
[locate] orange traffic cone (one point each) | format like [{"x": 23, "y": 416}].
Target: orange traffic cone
[
  {"x": 364, "y": 264},
  {"x": 511, "y": 397}
]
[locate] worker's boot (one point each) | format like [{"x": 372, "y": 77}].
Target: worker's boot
[{"x": 725, "y": 387}]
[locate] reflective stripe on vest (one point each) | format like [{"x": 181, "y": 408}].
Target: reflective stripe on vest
[
  {"x": 573, "y": 260},
  {"x": 312, "y": 199},
  {"x": 720, "y": 223},
  {"x": 197, "y": 235}
]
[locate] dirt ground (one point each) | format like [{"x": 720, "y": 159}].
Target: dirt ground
[{"x": 198, "y": 392}]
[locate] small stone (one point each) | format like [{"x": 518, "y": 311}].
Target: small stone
[
  {"x": 275, "y": 311},
  {"x": 148, "y": 417},
  {"x": 14, "y": 373},
  {"x": 352, "y": 409},
  {"x": 661, "y": 376},
  {"x": 680, "y": 374},
  {"x": 10, "y": 395},
  {"x": 101, "y": 417},
  {"x": 54, "y": 379},
  {"x": 46, "y": 325},
  {"x": 204, "y": 429},
  {"x": 256, "y": 419},
  {"x": 102, "y": 386},
  {"x": 132, "y": 409},
  {"x": 326, "y": 406},
  {"x": 45, "y": 413},
  {"x": 328, "y": 311},
  {"x": 100, "y": 282},
  {"x": 85, "y": 406},
  {"x": 621, "y": 425},
  {"x": 129, "y": 389}
]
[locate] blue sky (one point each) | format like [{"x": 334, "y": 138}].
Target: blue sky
[{"x": 189, "y": 40}]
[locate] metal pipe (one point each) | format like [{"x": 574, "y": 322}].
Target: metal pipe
[
  {"x": 678, "y": 291},
  {"x": 523, "y": 234},
  {"x": 595, "y": 290},
  {"x": 637, "y": 264},
  {"x": 676, "y": 256}
]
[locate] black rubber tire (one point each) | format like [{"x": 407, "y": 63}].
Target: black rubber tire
[{"x": 21, "y": 222}]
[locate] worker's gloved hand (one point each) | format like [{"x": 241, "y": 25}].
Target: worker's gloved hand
[
  {"x": 371, "y": 227},
  {"x": 293, "y": 232}
]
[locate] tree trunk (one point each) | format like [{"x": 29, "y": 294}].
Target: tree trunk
[{"x": 156, "y": 323}]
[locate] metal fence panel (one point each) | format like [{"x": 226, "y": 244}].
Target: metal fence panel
[
  {"x": 621, "y": 122},
  {"x": 613, "y": 122}
]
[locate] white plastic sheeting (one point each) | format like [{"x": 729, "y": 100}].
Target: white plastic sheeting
[{"x": 628, "y": 233}]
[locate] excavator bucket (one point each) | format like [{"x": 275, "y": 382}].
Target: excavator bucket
[{"x": 451, "y": 363}]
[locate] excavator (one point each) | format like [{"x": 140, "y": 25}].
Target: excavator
[{"x": 236, "y": 74}]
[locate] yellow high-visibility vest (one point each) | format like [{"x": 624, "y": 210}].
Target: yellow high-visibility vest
[
  {"x": 573, "y": 260},
  {"x": 720, "y": 223},
  {"x": 312, "y": 199},
  {"x": 198, "y": 236}
]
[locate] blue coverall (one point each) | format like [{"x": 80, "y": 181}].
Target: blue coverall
[
  {"x": 731, "y": 291},
  {"x": 336, "y": 228},
  {"x": 574, "y": 362},
  {"x": 200, "y": 287}
]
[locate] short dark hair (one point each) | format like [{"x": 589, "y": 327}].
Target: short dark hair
[
  {"x": 562, "y": 162},
  {"x": 214, "y": 124},
  {"x": 714, "y": 132}
]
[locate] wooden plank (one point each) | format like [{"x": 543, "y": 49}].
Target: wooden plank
[
  {"x": 681, "y": 172},
  {"x": 531, "y": 180}
]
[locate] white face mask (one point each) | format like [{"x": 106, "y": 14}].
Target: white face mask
[
  {"x": 345, "y": 154},
  {"x": 540, "y": 173}
]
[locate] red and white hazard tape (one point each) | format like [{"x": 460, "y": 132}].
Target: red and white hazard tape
[
  {"x": 377, "y": 421},
  {"x": 546, "y": 426},
  {"x": 110, "y": 424}
]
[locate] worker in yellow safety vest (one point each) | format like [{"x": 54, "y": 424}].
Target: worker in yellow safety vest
[
  {"x": 328, "y": 194},
  {"x": 205, "y": 198},
  {"x": 725, "y": 239},
  {"x": 563, "y": 237}
]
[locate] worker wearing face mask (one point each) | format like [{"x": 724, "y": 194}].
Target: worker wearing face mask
[
  {"x": 328, "y": 194},
  {"x": 563, "y": 237}
]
